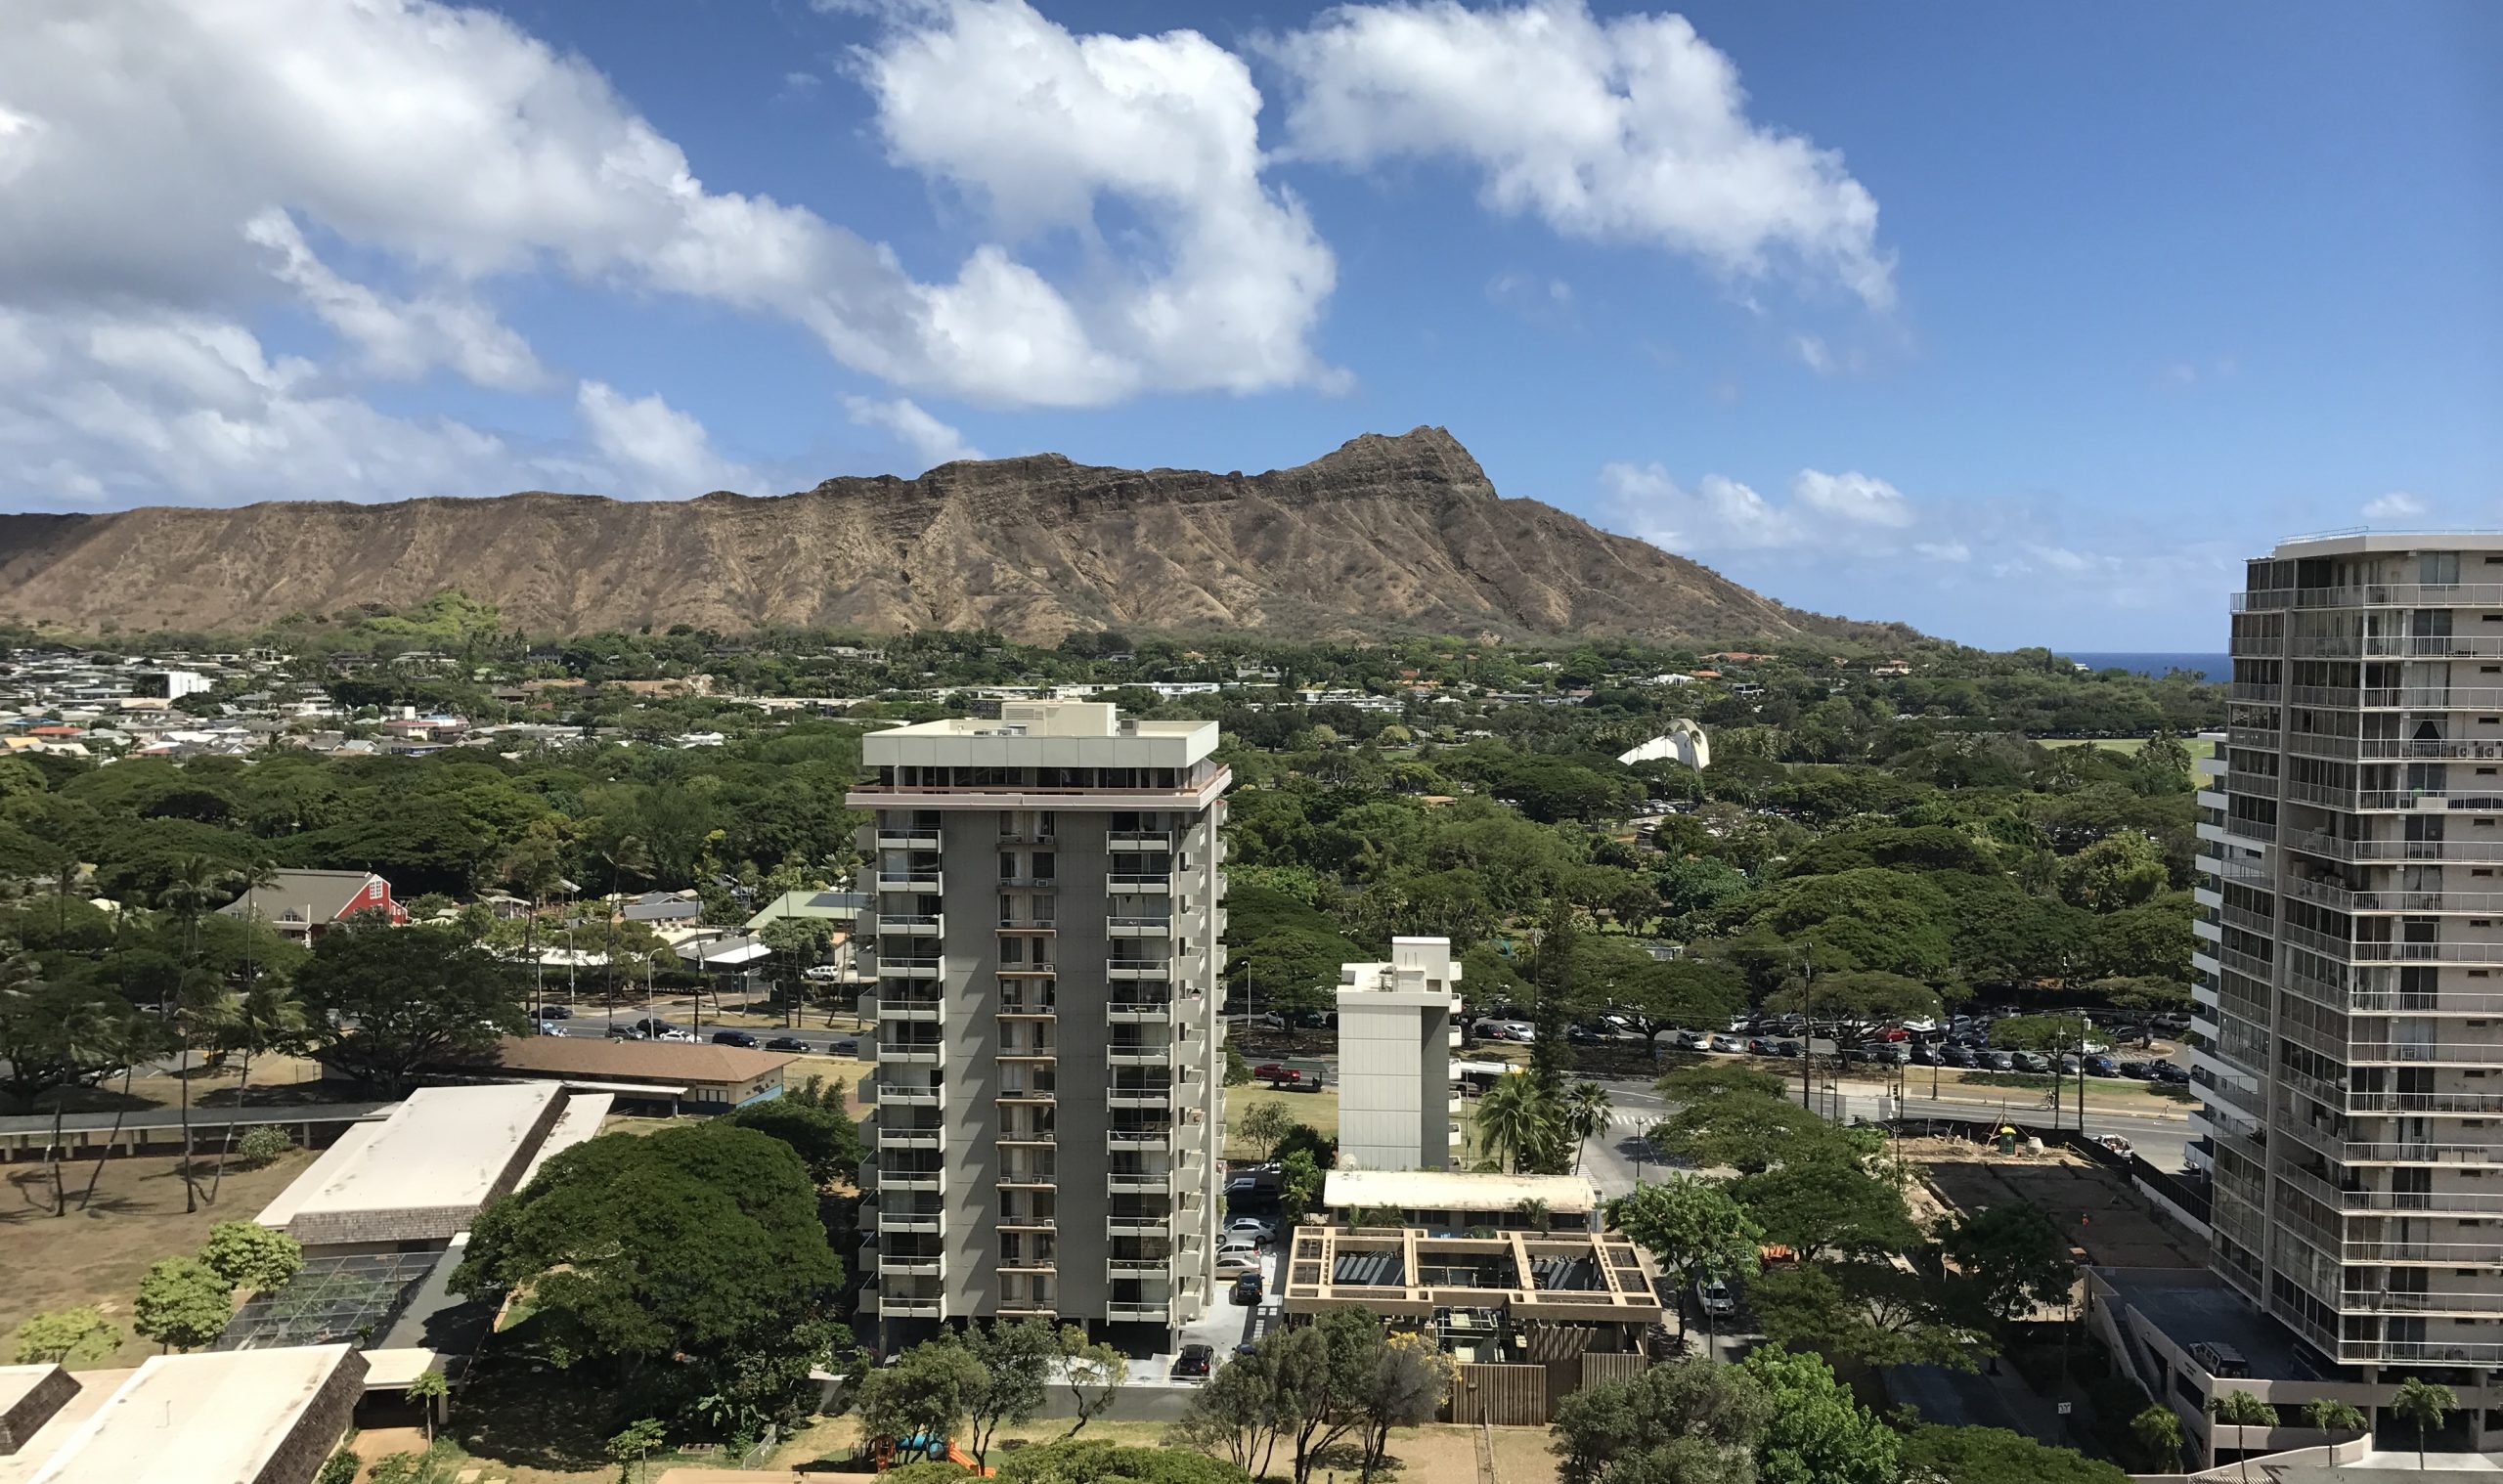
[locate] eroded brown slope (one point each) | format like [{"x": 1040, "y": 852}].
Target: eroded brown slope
[{"x": 1385, "y": 534}]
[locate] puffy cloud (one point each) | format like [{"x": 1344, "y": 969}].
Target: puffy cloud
[
  {"x": 1631, "y": 129},
  {"x": 133, "y": 407},
  {"x": 932, "y": 441},
  {"x": 1717, "y": 515},
  {"x": 659, "y": 451},
  {"x": 2398, "y": 505},
  {"x": 1852, "y": 496},
  {"x": 1040, "y": 127},
  {"x": 399, "y": 338},
  {"x": 139, "y": 138}
]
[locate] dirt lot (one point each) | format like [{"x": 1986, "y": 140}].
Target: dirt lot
[
  {"x": 2096, "y": 1207},
  {"x": 96, "y": 1256}
]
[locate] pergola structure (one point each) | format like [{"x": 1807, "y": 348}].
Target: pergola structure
[{"x": 1530, "y": 1277}]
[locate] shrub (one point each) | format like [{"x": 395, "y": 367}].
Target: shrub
[
  {"x": 263, "y": 1142},
  {"x": 68, "y": 1337},
  {"x": 338, "y": 1469}
]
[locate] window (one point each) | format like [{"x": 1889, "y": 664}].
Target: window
[
  {"x": 1042, "y": 865},
  {"x": 1007, "y": 866}
]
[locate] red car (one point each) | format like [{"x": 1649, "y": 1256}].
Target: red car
[
  {"x": 1893, "y": 1033},
  {"x": 1271, "y": 1072}
]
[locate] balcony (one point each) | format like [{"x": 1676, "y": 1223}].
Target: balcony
[
  {"x": 912, "y": 1094},
  {"x": 2374, "y": 596},
  {"x": 1030, "y": 882},
  {"x": 920, "y": 967},
  {"x": 1154, "y": 970},
  {"x": 912, "y": 1306},
  {"x": 1121, "y": 883},
  {"x": 1030, "y": 1265},
  {"x": 1141, "y": 1053},
  {"x": 926, "y": 883},
  {"x": 1017, "y": 1177},
  {"x": 915, "y": 1218},
  {"x": 1031, "y": 1007},
  {"x": 1137, "y": 1225},
  {"x": 1142, "y": 1094},
  {"x": 907, "y": 838},
  {"x": 1139, "y": 1010},
  {"x": 923, "y": 1177},
  {"x": 1017, "y": 924},
  {"x": 1027, "y": 1221},
  {"x": 911, "y": 924},
  {"x": 1036, "y": 970},
  {"x": 1138, "y": 927},
  {"x": 1029, "y": 1051},
  {"x": 1139, "y": 839},
  {"x": 1026, "y": 834},
  {"x": 1135, "y": 1140},
  {"x": 1028, "y": 1090},
  {"x": 926, "y": 1008},
  {"x": 1140, "y": 1265},
  {"x": 913, "y": 1053},
  {"x": 911, "y": 1264},
  {"x": 1139, "y": 1178},
  {"x": 1158, "y": 1312},
  {"x": 1029, "y": 1138},
  {"x": 910, "y": 1135}
]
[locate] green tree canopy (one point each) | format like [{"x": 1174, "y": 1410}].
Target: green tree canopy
[
  {"x": 687, "y": 1263},
  {"x": 402, "y": 998}
]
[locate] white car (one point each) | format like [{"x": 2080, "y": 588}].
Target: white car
[
  {"x": 1252, "y": 1227},
  {"x": 675, "y": 1035},
  {"x": 1921, "y": 1025},
  {"x": 1713, "y": 1297}
]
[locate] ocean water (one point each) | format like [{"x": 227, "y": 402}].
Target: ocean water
[{"x": 2216, "y": 667}]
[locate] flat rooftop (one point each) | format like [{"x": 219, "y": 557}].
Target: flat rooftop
[
  {"x": 699, "y": 1064},
  {"x": 2360, "y": 542},
  {"x": 2190, "y": 1305},
  {"x": 1456, "y": 1190},
  {"x": 214, "y": 1417},
  {"x": 442, "y": 1148}
]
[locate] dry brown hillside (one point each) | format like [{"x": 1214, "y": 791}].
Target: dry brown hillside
[{"x": 1386, "y": 534}]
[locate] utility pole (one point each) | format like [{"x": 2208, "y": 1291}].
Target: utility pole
[{"x": 1807, "y": 1013}]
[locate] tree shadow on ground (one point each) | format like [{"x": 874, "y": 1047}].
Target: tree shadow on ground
[{"x": 516, "y": 1409}]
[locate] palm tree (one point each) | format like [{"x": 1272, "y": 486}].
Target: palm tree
[
  {"x": 266, "y": 1016},
  {"x": 626, "y": 856},
  {"x": 252, "y": 878},
  {"x": 2334, "y": 1416},
  {"x": 2158, "y": 1430},
  {"x": 1515, "y": 1124},
  {"x": 199, "y": 1005},
  {"x": 2240, "y": 1409},
  {"x": 531, "y": 869},
  {"x": 2423, "y": 1403},
  {"x": 85, "y": 1041},
  {"x": 1585, "y": 1116}
]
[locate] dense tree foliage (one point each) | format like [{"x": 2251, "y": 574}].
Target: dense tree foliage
[{"x": 685, "y": 1265}]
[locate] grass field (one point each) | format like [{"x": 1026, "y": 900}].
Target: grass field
[
  {"x": 1317, "y": 1109},
  {"x": 2199, "y": 747},
  {"x": 97, "y": 1256}
]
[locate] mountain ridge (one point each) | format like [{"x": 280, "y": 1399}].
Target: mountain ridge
[{"x": 1385, "y": 533}]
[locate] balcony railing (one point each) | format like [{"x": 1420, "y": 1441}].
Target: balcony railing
[
  {"x": 919, "y": 1217},
  {"x": 1027, "y": 925},
  {"x": 2396, "y": 647},
  {"x": 912, "y": 1094},
  {"x": 1156, "y": 1312},
  {"x": 1138, "y": 881},
  {"x": 1138, "y": 969},
  {"x": 911, "y": 838},
  {"x": 1139, "y": 927},
  {"x": 920, "y": 966},
  {"x": 927, "y": 881},
  {"x": 1139, "y": 839},
  {"x": 916, "y": 924},
  {"x": 2373, "y": 596},
  {"x": 912, "y": 1007}
]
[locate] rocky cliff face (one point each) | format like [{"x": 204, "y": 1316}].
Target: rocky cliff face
[{"x": 1383, "y": 535}]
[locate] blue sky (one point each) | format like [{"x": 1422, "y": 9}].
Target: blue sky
[{"x": 2021, "y": 323}]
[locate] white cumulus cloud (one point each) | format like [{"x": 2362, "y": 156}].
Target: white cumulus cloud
[
  {"x": 1852, "y": 497},
  {"x": 1631, "y": 129},
  {"x": 399, "y": 338},
  {"x": 662, "y": 451},
  {"x": 930, "y": 440},
  {"x": 2398, "y": 505}
]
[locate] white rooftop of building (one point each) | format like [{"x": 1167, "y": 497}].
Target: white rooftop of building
[
  {"x": 442, "y": 1148},
  {"x": 216, "y": 1416},
  {"x": 1043, "y": 732},
  {"x": 1456, "y": 1190}
]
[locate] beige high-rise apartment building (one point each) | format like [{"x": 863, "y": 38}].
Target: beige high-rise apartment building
[
  {"x": 1046, "y": 940},
  {"x": 2348, "y": 1040}
]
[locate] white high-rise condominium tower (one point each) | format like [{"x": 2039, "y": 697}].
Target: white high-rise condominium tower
[
  {"x": 1048, "y": 953},
  {"x": 1395, "y": 1035},
  {"x": 2348, "y": 1040}
]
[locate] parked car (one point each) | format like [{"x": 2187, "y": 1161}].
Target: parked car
[
  {"x": 1926, "y": 1055},
  {"x": 554, "y": 1013},
  {"x": 786, "y": 1043},
  {"x": 2138, "y": 1071},
  {"x": 2101, "y": 1066},
  {"x": 2032, "y": 1061},
  {"x": 1860, "y": 1056},
  {"x": 1713, "y": 1297},
  {"x": 650, "y": 1025},
  {"x": 1237, "y": 1262},
  {"x": 843, "y": 1046},
  {"x": 2171, "y": 1072},
  {"x": 2000, "y": 1061},
  {"x": 1891, "y": 1033},
  {"x": 821, "y": 973},
  {"x": 1247, "y": 1287},
  {"x": 1195, "y": 1361},
  {"x": 550, "y": 1028},
  {"x": 1786, "y": 1048},
  {"x": 1728, "y": 1044},
  {"x": 1960, "y": 1055},
  {"x": 686, "y": 1036},
  {"x": 1896, "y": 1055},
  {"x": 742, "y": 1038},
  {"x": 2069, "y": 1066}
]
